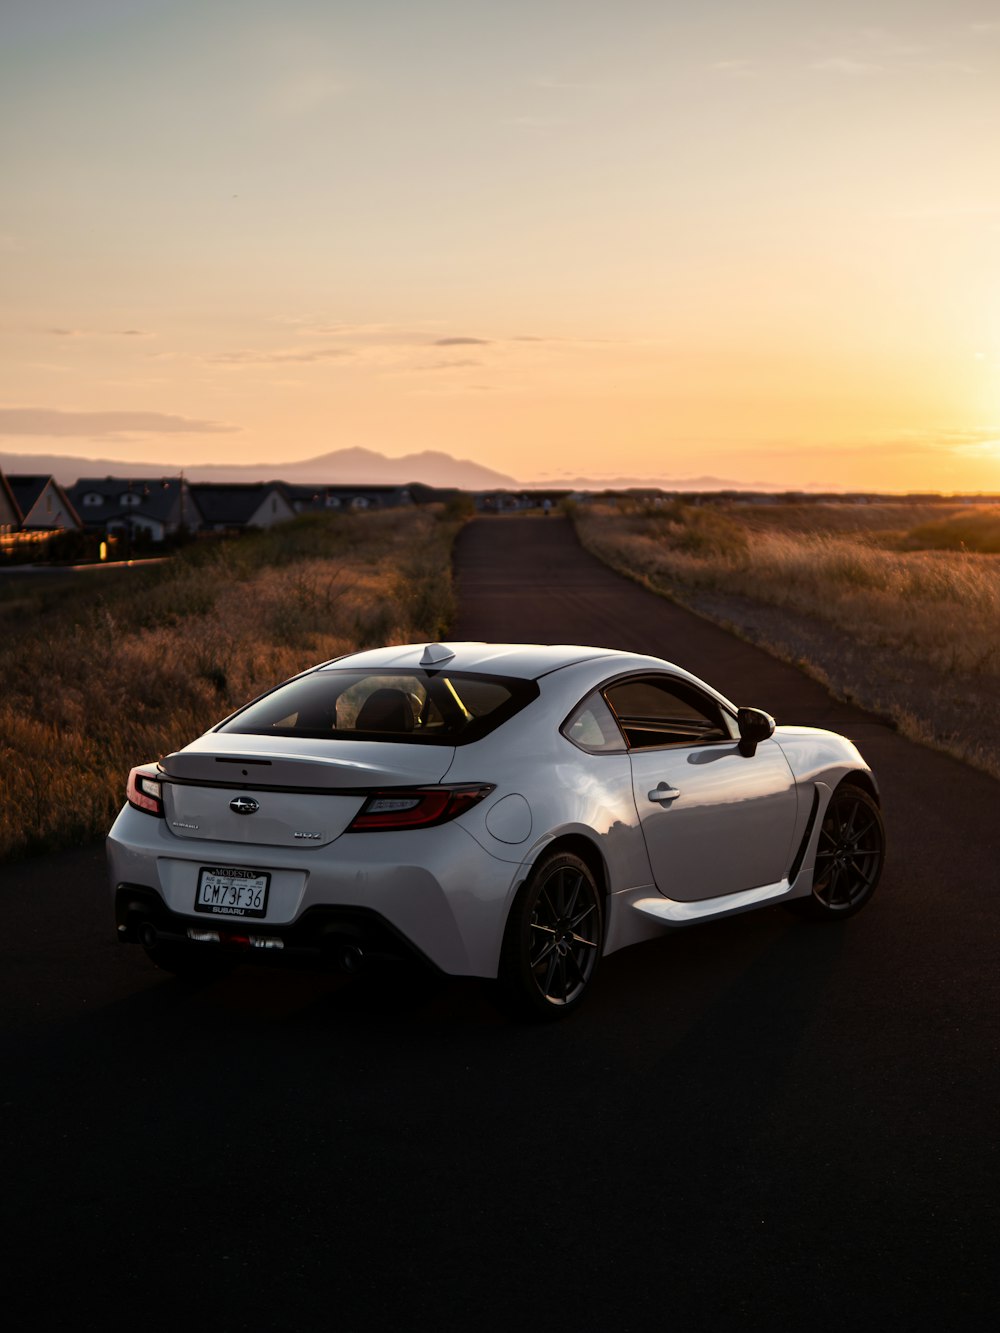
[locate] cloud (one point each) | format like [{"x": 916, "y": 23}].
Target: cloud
[
  {"x": 974, "y": 443},
  {"x": 108, "y": 425},
  {"x": 904, "y": 446},
  {"x": 306, "y": 94},
  {"x": 99, "y": 333},
  {"x": 373, "y": 335},
  {"x": 553, "y": 83},
  {"x": 451, "y": 365},
  {"x": 300, "y": 356},
  {"x": 316, "y": 326},
  {"x": 535, "y": 122},
  {"x": 852, "y": 69},
  {"x": 946, "y": 212},
  {"x": 738, "y": 67}
]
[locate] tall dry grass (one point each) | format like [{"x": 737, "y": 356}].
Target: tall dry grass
[
  {"x": 971, "y": 530},
  {"x": 123, "y": 674},
  {"x": 911, "y": 632},
  {"x": 940, "y": 607}
]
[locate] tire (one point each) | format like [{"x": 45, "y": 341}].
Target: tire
[
  {"x": 849, "y": 856},
  {"x": 196, "y": 962},
  {"x": 552, "y": 943}
]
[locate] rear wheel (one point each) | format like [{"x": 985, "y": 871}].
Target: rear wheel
[
  {"x": 849, "y": 855},
  {"x": 553, "y": 939}
]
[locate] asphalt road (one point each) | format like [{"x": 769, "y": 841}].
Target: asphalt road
[{"x": 755, "y": 1124}]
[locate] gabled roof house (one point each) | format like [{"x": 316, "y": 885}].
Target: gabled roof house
[
  {"x": 156, "y": 507},
  {"x": 311, "y": 499},
  {"x": 10, "y": 513},
  {"x": 246, "y": 505},
  {"x": 43, "y": 503}
]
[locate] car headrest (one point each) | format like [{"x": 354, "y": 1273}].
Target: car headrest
[{"x": 386, "y": 710}]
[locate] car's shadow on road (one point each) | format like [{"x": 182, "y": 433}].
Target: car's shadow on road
[{"x": 742, "y": 990}]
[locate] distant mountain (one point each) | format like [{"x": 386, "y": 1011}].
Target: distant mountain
[
  {"x": 355, "y": 467},
  {"x": 659, "y": 483},
  {"x": 343, "y": 467},
  {"x": 365, "y": 467}
]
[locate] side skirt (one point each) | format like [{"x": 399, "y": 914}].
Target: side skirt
[{"x": 669, "y": 912}]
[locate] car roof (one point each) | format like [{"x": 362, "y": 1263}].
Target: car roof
[{"x": 526, "y": 661}]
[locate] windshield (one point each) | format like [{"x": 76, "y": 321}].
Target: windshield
[{"x": 423, "y": 707}]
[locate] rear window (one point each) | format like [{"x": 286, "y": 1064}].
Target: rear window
[{"x": 422, "y": 707}]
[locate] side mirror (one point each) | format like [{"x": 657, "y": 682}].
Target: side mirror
[{"x": 755, "y": 726}]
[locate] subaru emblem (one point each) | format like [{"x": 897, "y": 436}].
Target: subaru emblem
[{"x": 244, "y": 805}]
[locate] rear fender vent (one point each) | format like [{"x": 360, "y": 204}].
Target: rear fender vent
[{"x": 800, "y": 855}]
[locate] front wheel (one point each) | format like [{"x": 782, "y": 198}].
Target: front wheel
[
  {"x": 849, "y": 855},
  {"x": 553, "y": 939}
]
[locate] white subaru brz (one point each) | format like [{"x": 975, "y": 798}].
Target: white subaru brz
[{"x": 511, "y": 811}]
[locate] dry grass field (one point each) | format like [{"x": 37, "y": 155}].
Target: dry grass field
[
  {"x": 117, "y": 668},
  {"x": 896, "y": 606}
]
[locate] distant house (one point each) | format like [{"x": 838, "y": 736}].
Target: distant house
[
  {"x": 503, "y": 502},
  {"x": 10, "y": 513},
  {"x": 43, "y": 503},
  {"x": 315, "y": 499},
  {"x": 151, "y": 507},
  {"x": 228, "y": 508}
]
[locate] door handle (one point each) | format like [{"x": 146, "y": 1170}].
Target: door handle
[{"x": 664, "y": 792}]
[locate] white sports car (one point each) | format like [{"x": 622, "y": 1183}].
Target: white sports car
[{"x": 512, "y": 811}]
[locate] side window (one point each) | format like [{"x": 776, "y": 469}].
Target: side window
[
  {"x": 592, "y": 727},
  {"x": 656, "y": 711}
]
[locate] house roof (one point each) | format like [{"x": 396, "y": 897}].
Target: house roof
[
  {"x": 28, "y": 487},
  {"x": 232, "y": 504},
  {"x": 12, "y": 498},
  {"x": 298, "y": 491},
  {"x": 158, "y": 495}
]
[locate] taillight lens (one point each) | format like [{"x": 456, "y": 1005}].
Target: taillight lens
[
  {"x": 145, "y": 792},
  {"x": 417, "y": 807}
]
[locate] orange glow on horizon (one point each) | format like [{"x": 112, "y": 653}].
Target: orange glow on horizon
[{"x": 763, "y": 250}]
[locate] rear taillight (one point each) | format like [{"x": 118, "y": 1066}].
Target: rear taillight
[
  {"x": 417, "y": 807},
  {"x": 145, "y": 793}
]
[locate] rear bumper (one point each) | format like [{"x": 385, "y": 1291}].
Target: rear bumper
[
  {"x": 435, "y": 892},
  {"x": 339, "y": 937}
]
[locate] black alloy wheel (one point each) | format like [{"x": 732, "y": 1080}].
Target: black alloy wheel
[
  {"x": 849, "y": 854},
  {"x": 553, "y": 940}
]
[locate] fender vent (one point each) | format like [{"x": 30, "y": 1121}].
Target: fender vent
[{"x": 800, "y": 855}]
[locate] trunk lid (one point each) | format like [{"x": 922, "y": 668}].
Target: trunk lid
[{"x": 253, "y": 790}]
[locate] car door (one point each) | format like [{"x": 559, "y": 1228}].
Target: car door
[{"x": 715, "y": 821}]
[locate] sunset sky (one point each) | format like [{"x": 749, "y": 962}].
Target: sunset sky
[{"x": 758, "y": 239}]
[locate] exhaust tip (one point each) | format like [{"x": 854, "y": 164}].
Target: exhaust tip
[
  {"x": 147, "y": 934},
  {"x": 351, "y": 959}
]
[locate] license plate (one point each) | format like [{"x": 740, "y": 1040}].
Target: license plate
[{"x": 232, "y": 891}]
